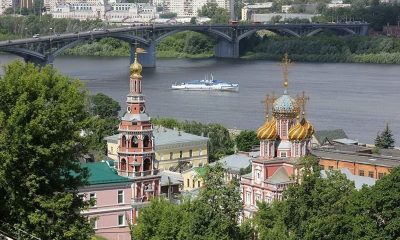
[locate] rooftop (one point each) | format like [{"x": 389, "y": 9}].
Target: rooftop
[
  {"x": 329, "y": 135},
  {"x": 165, "y": 136},
  {"x": 363, "y": 158},
  {"x": 101, "y": 173},
  {"x": 359, "y": 181},
  {"x": 280, "y": 176},
  {"x": 234, "y": 162},
  {"x": 170, "y": 178}
]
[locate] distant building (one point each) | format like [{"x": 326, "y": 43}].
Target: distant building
[
  {"x": 112, "y": 213},
  {"x": 190, "y": 8},
  {"x": 233, "y": 164},
  {"x": 174, "y": 149},
  {"x": 192, "y": 178},
  {"x": 359, "y": 181},
  {"x": 267, "y": 16},
  {"x": 171, "y": 184},
  {"x": 4, "y": 4},
  {"x": 115, "y": 12},
  {"x": 323, "y": 137},
  {"x": 358, "y": 160},
  {"x": 250, "y": 9}
]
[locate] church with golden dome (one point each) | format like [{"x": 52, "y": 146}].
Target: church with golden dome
[{"x": 285, "y": 136}]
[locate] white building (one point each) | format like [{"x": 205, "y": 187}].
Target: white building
[
  {"x": 189, "y": 8},
  {"x": 4, "y": 4},
  {"x": 115, "y": 12},
  {"x": 250, "y": 9}
]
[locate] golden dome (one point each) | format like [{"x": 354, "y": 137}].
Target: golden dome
[
  {"x": 310, "y": 129},
  {"x": 299, "y": 131},
  {"x": 268, "y": 130},
  {"x": 136, "y": 68}
]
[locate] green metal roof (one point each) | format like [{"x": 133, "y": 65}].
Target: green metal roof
[
  {"x": 101, "y": 173},
  {"x": 201, "y": 171}
]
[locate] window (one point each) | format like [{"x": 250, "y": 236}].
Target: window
[
  {"x": 361, "y": 172},
  {"x": 248, "y": 197},
  {"x": 380, "y": 175},
  {"x": 330, "y": 167},
  {"x": 81, "y": 196},
  {"x": 200, "y": 152},
  {"x": 121, "y": 221},
  {"x": 93, "y": 223},
  {"x": 258, "y": 175},
  {"x": 371, "y": 174},
  {"x": 120, "y": 196},
  {"x": 193, "y": 183},
  {"x": 188, "y": 182},
  {"x": 283, "y": 154},
  {"x": 322, "y": 167},
  {"x": 134, "y": 142},
  {"x": 161, "y": 157},
  {"x": 198, "y": 183},
  {"x": 92, "y": 196},
  {"x": 171, "y": 155},
  {"x": 180, "y": 154},
  {"x": 258, "y": 197}
]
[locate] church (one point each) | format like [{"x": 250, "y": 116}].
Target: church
[{"x": 284, "y": 137}]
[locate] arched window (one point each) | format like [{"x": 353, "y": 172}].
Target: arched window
[
  {"x": 134, "y": 142},
  {"x": 123, "y": 141},
  {"x": 146, "y": 165},
  {"x": 123, "y": 164},
  {"x": 146, "y": 141}
]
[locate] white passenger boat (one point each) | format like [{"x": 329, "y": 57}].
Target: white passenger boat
[{"x": 205, "y": 84}]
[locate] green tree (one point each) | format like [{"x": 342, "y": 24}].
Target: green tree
[
  {"x": 41, "y": 116},
  {"x": 213, "y": 214},
  {"x": 312, "y": 204},
  {"x": 245, "y": 140},
  {"x": 217, "y": 14},
  {"x": 385, "y": 139},
  {"x": 104, "y": 106}
]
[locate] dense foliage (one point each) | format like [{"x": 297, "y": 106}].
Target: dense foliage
[
  {"x": 104, "y": 122},
  {"x": 26, "y": 26},
  {"x": 213, "y": 214},
  {"x": 324, "y": 48},
  {"x": 245, "y": 140},
  {"x": 213, "y": 11},
  {"x": 385, "y": 139},
  {"x": 220, "y": 143},
  {"x": 330, "y": 208},
  {"x": 42, "y": 114}
]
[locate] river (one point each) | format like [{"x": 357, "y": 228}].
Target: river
[{"x": 359, "y": 98}]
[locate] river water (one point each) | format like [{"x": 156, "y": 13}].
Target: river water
[{"x": 359, "y": 98}]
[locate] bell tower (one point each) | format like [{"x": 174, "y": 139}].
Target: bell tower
[{"x": 136, "y": 155}]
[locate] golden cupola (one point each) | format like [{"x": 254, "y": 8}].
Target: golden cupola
[
  {"x": 268, "y": 130},
  {"x": 301, "y": 130},
  {"x": 136, "y": 68}
]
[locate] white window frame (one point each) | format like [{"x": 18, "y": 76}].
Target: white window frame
[
  {"x": 123, "y": 197},
  {"x": 283, "y": 154},
  {"x": 123, "y": 220},
  {"x": 94, "y": 197}
]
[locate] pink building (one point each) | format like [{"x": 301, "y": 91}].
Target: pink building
[
  {"x": 284, "y": 138},
  {"x": 112, "y": 212}
]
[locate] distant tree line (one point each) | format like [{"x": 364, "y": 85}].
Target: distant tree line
[{"x": 324, "y": 48}]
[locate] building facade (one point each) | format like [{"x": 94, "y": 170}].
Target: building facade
[
  {"x": 174, "y": 150},
  {"x": 112, "y": 212},
  {"x": 284, "y": 138},
  {"x": 136, "y": 155}
]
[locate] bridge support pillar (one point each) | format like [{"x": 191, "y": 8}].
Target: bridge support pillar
[
  {"x": 148, "y": 59},
  {"x": 227, "y": 49},
  {"x": 39, "y": 61}
]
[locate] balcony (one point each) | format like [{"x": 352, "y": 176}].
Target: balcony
[{"x": 138, "y": 174}]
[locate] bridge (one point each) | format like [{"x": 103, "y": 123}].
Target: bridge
[{"x": 44, "y": 49}]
